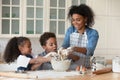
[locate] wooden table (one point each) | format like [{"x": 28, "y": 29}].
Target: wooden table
[{"x": 73, "y": 76}]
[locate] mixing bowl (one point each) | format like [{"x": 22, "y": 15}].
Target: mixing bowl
[{"x": 61, "y": 65}]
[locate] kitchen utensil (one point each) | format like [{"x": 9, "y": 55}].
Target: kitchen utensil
[
  {"x": 102, "y": 71},
  {"x": 116, "y": 64}
]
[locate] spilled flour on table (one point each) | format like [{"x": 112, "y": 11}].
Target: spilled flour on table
[{"x": 52, "y": 74}]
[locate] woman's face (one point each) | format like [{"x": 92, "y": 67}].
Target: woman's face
[
  {"x": 51, "y": 45},
  {"x": 78, "y": 21}
]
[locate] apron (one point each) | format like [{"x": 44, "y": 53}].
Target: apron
[{"x": 79, "y": 40}]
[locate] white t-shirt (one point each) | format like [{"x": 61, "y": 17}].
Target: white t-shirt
[{"x": 23, "y": 61}]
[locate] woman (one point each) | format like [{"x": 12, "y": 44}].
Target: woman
[{"x": 80, "y": 36}]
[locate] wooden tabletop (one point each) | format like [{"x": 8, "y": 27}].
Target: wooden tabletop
[{"x": 52, "y": 76}]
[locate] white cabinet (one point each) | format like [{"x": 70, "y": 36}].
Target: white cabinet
[
  {"x": 33, "y": 17},
  {"x": 107, "y": 22},
  {"x": 10, "y": 17}
]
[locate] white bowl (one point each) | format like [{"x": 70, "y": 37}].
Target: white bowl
[{"x": 62, "y": 65}]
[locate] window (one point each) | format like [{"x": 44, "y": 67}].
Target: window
[{"x": 33, "y": 17}]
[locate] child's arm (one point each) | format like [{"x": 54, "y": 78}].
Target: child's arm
[
  {"x": 38, "y": 61},
  {"x": 44, "y": 59},
  {"x": 36, "y": 66}
]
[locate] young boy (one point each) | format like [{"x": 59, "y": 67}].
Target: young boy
[{"x": 49, "y": 44}]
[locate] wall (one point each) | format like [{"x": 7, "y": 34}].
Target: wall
[{"x": 107, "y": 22}]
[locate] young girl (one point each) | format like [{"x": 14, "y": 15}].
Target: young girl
[
  {"x": 49, "y": 44},
  {"x": 19, "y": 48}
]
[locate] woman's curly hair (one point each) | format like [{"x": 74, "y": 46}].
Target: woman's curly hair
[{"x": 84, "y": 11}]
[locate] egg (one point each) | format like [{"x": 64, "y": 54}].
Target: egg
[{"x": 78, "y": 68}]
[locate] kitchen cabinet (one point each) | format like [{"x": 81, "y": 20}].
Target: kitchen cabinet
[{"x": 33, "y": 17}]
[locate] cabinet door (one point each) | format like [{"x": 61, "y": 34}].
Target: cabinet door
[
  {"x": 58, "y": 11},
  {"x": 10, "y": 17},
  {"x": 21, "y": 17},
  {"x": 34, "y": 17},
  {"x": 57, "y": 17},
  {"x": 77, "y": 2}
]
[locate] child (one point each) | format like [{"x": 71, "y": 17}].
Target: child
[
  {"x": 49, "y": 44},
  {"x": 20, "y": 48}
]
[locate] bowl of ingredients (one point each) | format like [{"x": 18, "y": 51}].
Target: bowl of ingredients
[
  {"x": 59, "y": 61},
  {"x": 60, "y": 65}
]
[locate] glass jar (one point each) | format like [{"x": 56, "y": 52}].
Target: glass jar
[
  {"x": 98, "y": 63},
  {"x": 116, "y": 64}
]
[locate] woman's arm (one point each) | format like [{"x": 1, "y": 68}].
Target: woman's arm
[
  {"x": 73, "y": 57},
  {"x": 80, "y": 49},
  {"x": 92, "y": 42},
  {"x": 66, "y": 41}
]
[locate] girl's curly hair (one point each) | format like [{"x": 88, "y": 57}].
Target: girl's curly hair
[{"x": 12, "y": 51}]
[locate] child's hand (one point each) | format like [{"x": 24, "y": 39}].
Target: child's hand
[
  {"x": 49, "y": 58},
  {"x": 50, "y": 54},
  {"x": 41, "y": 59}
]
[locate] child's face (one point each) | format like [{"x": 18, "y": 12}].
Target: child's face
[
  {"x": 51, "y": 45},
  {"x": 26, "y": 48}
]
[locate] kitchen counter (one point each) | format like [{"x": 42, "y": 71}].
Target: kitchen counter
[
  {"x": 54, "y": 75},
  {"x": 7, "y": 67}
]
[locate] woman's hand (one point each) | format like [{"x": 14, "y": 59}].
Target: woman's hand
[
  {"x": 73, "y": 57},
  {"x": 79, "y": 49}
]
